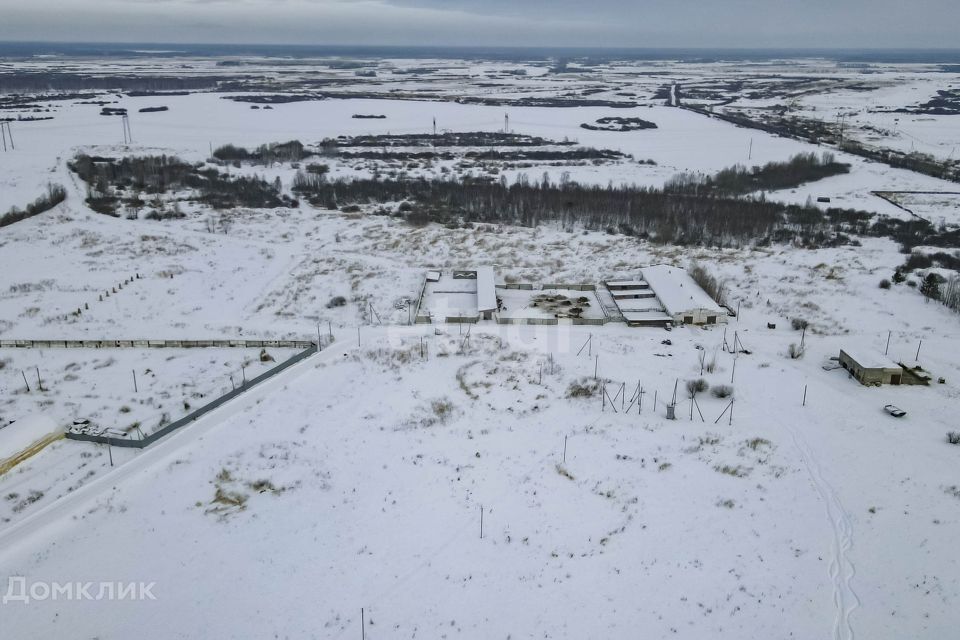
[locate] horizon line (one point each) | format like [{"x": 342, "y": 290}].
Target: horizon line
[{"x": 480, "y": 46}]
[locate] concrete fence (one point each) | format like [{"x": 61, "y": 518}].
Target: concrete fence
[
  {"x": 572, "y": 287},
  {"x": 184, "y": 421},
  {"x": 537, "y": 321},
  {"x": 553, "y": 321},
  {"x": 528, "y": 286},
  {"x": 156, "y": 344}
]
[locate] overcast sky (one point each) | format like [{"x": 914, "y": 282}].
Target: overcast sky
[{"x": 618, "y": 23}]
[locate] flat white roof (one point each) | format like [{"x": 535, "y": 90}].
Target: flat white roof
[
  {"x": 486, "y": 290},
  {"x": 677, "y": 291},
  {"x": 649, "y": 304},
  {"x": 449, "y": 297},
  {"x": 869, "y": 358}
]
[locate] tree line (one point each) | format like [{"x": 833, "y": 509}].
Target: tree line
[
  {"x": 114, "y": 182},
  {"x": 659, "y": 215},
  {"x": 292, "y": 151},
  {"x": 739, "y": 180}
]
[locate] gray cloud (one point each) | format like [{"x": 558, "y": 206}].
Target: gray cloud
[{"x": 621, "y": 23}]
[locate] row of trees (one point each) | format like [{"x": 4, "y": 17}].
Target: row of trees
[
  {"x": 634, "y": 210},
  {"x": 112, "y": 182},
  {"x": 487, "y": 155},
  {"x": 707, "y": 281},
  {"x": 445, "y": 139},
  {"x": 801, "y": 168},
  {"x": 292, "y": 151}
]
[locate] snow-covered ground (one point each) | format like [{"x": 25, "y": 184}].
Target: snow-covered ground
[
  {"x": 356, "y": 478},
  {"x": 359, "y": 483}
]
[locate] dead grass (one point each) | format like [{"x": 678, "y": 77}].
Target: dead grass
[
  {"x": 735, "y": 471},
  {"x": 563, "y": 472}
]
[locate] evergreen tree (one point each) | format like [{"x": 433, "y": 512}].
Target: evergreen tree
[{"x": 930, "y": 287}]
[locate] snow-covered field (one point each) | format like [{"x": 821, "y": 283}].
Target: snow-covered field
[
  {"x": 359, "y": 483},
  {"x": 356, "y": 478}
]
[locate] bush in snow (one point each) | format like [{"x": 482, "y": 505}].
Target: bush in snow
[
  {"x": 795, "y": 352},
  {"x": 884, "y": 284},
  {"x": 336, "y": 301},
  {"x": 799, "y": 324},
  {"x": 953, "y": 437},
  {"x": 583, "y": 388},
  {"x": 722, "y": 391},
  {"x": 696, "y": 386}
]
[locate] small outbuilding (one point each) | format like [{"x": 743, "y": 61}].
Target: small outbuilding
[{"x": 869, "y": 367}]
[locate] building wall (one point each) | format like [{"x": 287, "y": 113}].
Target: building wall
[
  {"x": 700, "y": 316},
  {"x": 872, "y": 375}
]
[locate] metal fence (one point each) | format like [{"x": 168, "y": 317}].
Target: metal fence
[
  {"x": 155, "y": 344},
  {"x": 184, "y": 421},
  {"x": 552, "y": 321}
]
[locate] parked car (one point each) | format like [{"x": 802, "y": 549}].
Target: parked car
[{"x": 895, "y": 411}]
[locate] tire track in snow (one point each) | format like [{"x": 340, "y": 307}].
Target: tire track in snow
[{"x": 841, "y": 568}]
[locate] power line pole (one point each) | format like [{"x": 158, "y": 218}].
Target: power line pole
[{"x": 127, "y": 135}]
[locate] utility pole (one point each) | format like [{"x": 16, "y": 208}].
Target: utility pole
[{"x": 127, "y": 135}]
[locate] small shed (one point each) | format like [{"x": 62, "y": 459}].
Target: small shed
[{"x": 870, "y": 367}]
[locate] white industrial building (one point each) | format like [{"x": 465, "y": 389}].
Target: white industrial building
[
  {"x": 458, "y": 295},
  {"x": 681, "y": 298}
]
